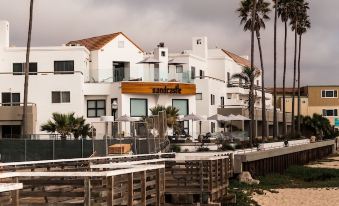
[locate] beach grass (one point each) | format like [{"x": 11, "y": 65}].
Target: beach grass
[{"x": 293, "y": 177}]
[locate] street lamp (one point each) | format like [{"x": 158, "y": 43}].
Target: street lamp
[{"x": 114, "y": 106}]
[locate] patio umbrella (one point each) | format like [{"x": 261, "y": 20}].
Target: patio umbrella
[
  {"x": 125, "y": 118},
  {"x": 149, "y": 61},
  {"x": 175, "y": 62},
  {"x": 193, "y": 118},
  {"x": 106, "y": 119},
  {"x": 218, "y": 117},
  {"x": 238, "y": 117}
]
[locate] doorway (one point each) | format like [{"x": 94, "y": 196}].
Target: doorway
[{"x": 11, "y": 131}]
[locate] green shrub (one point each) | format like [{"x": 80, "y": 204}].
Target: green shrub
[
  {"x": 203, "y": 149},
  {"x": 309, "y": 174},
  {"x": 227, "y": 146},
  {"x": 175, "y": 148}
]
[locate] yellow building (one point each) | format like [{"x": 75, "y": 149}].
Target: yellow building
[{"x": 321, "y": 100}]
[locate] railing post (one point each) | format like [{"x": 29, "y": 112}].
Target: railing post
[
  {"x": 130, "y": 189},
  {"x": 87, "y": 191},
  {"x": 110, "y": 191}
]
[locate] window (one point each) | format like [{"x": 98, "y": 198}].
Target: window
[
  {"x": 222, "y": 102},
  {"x": 61, "y": 97},
  {"x": 10, "y": 99},
  {"x": 96, "y": 108},
  {"x": 192, "y": 72},
  {"x": 138, "y": 107},
  {"x": 257, "y": 83},
  {"x": 179, "y": 69},
  {"x": 19, "y": 68},
  {"x": 198, "y": 96},
  {"x": 121, "y": 44},
  {"x": 118, "y": 71},
  {"x": 329, "y": 94},
  {"x": 330, "y": 112},
  {"x": 228, "y": 77},
  {"x": 163, "y": 53},
  {"x": 182, "y": 105},
  {"x": 64, "y": 67},
  {"x": 212, "y": 127},
  {"x": 201, "y": 74},
  {"x": 212, "y": 99},
  {"x": 199, "y": 41}
]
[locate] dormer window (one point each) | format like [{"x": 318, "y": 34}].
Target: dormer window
[
  {"x": 121, "y": 44},
  {"x": 199, "y": 41},
  {"x": 163, "y": 53}
]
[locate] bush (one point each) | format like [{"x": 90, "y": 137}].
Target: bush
[
  {"x": 203, "y": 149},
  {"x": 227, "y": 146},
  {"x": 175, "y": 148},
  {"x": 309, "y": 174}
]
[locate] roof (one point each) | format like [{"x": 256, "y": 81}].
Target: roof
[
  {"x": 238, "y": 59},
  {"x": 98, "y": 42},
  {"x": 289, "y": 90}
]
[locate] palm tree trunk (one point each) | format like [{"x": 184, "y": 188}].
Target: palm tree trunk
[
  {"x": 284, "y": 83},
  {"x": 251, "y": 97},
  {"x": 294, "y": 79},
  {"x": 263, "y": 98},
  {"x": 275, "y": 122},
  {"x": 24, "y": 115},
  {"x": 299, "y": 100}
]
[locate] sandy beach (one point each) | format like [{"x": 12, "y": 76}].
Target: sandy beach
[
  {"x": 307, "y": 197},
  {"x": 331, "y": 162}
]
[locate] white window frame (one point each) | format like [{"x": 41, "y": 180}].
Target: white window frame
[
  {"x": 333, "y": 110},
  {"x": 61, "y": 99},
  {"x": 328, "y": 90},
  {"x": 198, "y": 95},
  {"x": 179, "y": 69},
  {"x": 121, "y": 44}
]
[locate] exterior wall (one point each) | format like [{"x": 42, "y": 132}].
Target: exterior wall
[
  {"x": 45, "y": 84},
  {"x": 204, "y": 108},
  {"x": 314, "y": 103},
  {"x": 319, "y": 110},
  {"x": 314, "y": 95},
  {"x": 111, "y": 52},
  {"x": 304, "y": 109}
]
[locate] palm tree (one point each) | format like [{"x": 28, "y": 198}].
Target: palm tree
[
  {"x": 24, "y": 114},
  {"x": 172, "y": 114},
  {"x": 67, "y": 124},
  {"x": 295, "y": 7},
  {"x": 284, "y": 13},
  {"x": 275, "y": 118},
  {"x": 248, "y": 75},
  {"x": 262, "y": 11},
  {"x": 303, "y": 25}
]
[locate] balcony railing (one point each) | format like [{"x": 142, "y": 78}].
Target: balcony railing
[{"x": 40, "y": 73}]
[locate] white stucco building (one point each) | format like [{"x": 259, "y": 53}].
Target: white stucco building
[{"x": 87, "y": 76}]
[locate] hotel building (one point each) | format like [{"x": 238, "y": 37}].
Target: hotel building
[{"x": 90, "y": 75}]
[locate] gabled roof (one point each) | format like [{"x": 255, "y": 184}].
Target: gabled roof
[
  {"x": 98, "y": 42},
  {"x": 238, "y": 59}
]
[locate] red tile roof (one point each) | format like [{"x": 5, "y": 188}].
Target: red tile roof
[
  {"x": 238, "y": 59},
  {"x": 97, "y": 42}
]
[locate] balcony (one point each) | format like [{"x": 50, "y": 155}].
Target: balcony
[{"x": 11, "y": 114}]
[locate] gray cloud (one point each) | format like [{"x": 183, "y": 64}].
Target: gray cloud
[{"x": 175, "y": 22}]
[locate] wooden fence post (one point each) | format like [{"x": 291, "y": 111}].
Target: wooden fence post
[
  {"x": 110, "y": 191},
  {"x": 87, "y": 188}
]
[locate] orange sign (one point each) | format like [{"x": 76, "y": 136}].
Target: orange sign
[{"x": 171, "y": 88}]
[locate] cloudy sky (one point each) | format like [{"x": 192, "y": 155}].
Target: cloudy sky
[{"x": 174, "y": 22}]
